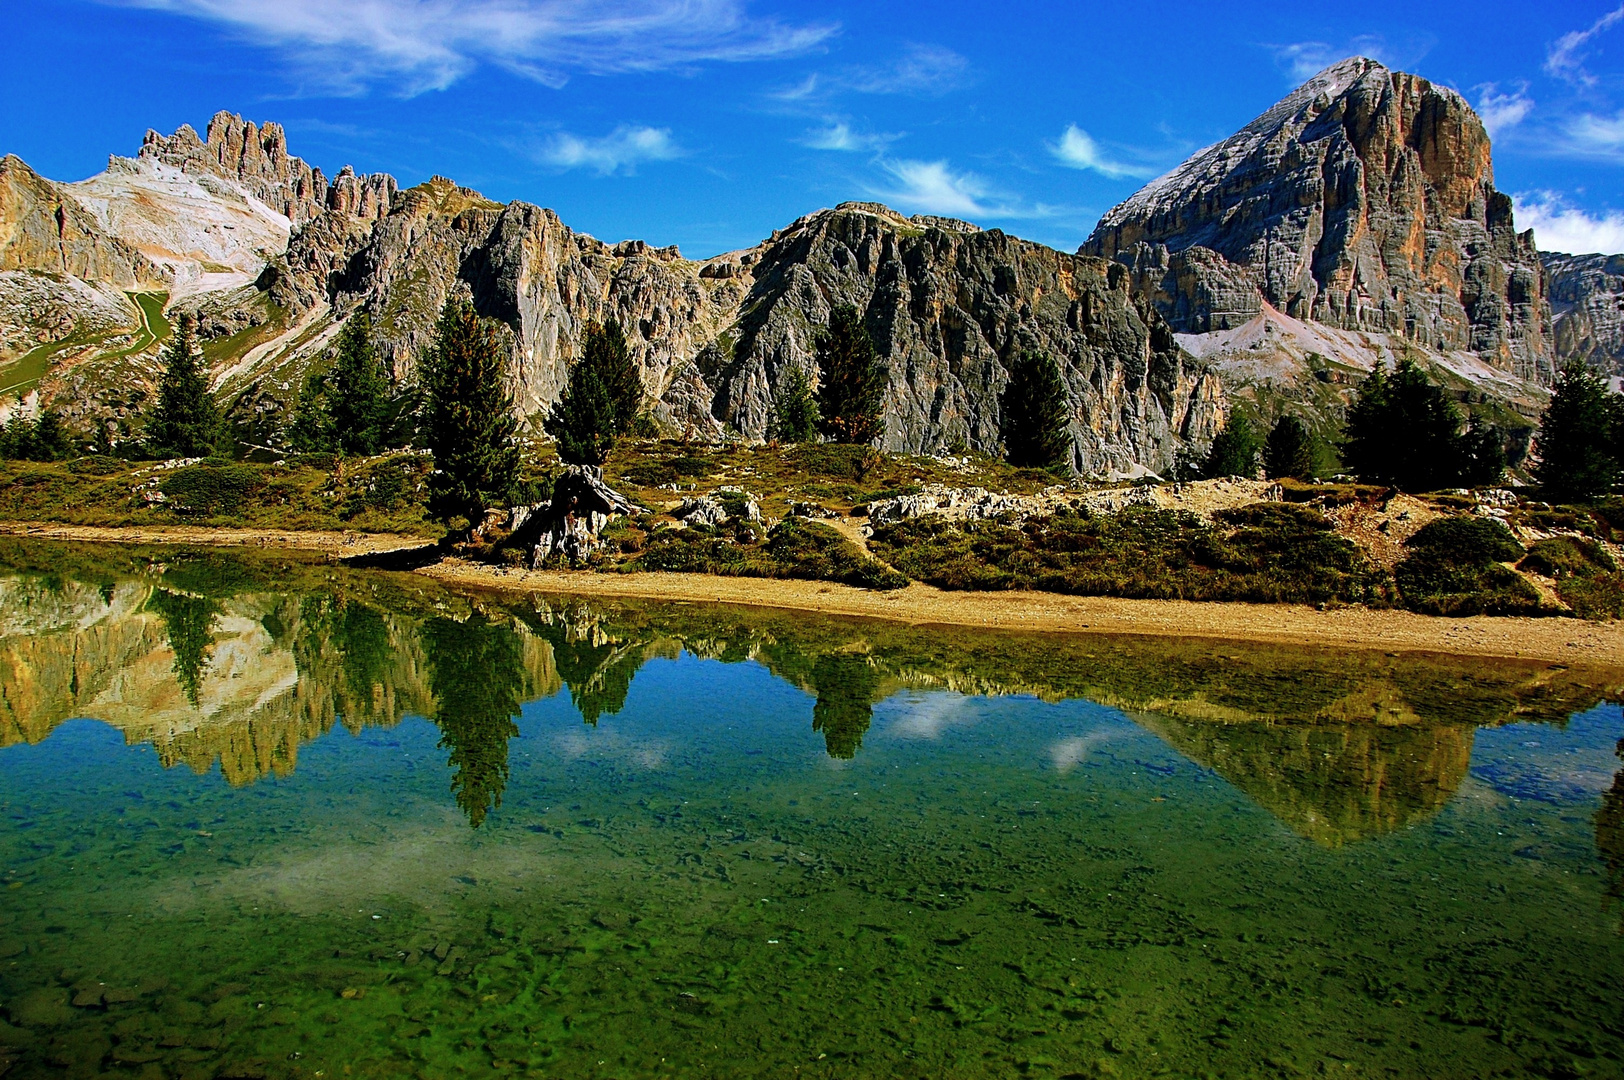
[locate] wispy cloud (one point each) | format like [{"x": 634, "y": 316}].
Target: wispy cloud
[
  {"x": 841, "y": 137},
  {"x": 1078, "y": 150},
  {"x": 919, "y": 71},
  {"x": 1559, "y": 226},
  {"x": 1502, "y": 112},
  {"x": 419, "y": 45},
  {"x": 933, "y": 187},
  {"x": 1302, "y": 60},
  {"x": 1566, "y": 57},
  {"x": 620, "y": 151}
]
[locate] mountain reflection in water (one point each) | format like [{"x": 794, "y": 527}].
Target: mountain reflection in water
[{"x": 239, "y": 659}]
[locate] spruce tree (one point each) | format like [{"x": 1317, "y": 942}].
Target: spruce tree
[
  {"x": 1367, "y": 443},
  {"x": 358, "y": 395},
  {"x": 1289, "y": 450},
  {"x": 311, "y": 429},
  {"x": 1483, "y": 455},
  {"x": 603, "y": 348},
  {"x": 1034, "y": 413},
  {"x": 1404, "y": 431},
  {"x": 1234, "y": 451},
  {"x": 851, "y": 389},
  {"x": 1574, "y": 444},
  {"x": 185, "y": 422},
  {"x": 584, "y": 421},
  {"x": 795, "y": 409},
  {"x": 470, "y": 416}
]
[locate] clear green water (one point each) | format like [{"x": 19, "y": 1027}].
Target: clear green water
[{"x": 238, "y": 800}]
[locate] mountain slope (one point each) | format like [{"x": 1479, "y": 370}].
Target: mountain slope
[
  {"x": 1587, "y": 302},
  {"x": 1365, "y": 201}
]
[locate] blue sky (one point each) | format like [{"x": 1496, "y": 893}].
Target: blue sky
[{"x": 709, "y": 123}]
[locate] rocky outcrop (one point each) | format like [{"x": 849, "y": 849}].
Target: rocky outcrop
[
  {"x": 44, "y": 228},
  {"x": 257, "y": 158},
  {"x": 1365, "y": 201},
  {"x": 1587, "y": 304}
]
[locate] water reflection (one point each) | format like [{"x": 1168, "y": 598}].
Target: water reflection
[
  {"x": 241, "y": 659},
  {"x": 1610, "y": 832}
]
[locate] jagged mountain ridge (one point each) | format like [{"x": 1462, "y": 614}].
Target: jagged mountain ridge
[
  {"x": 1587, "y": 305},
  {"x": 947, "y": 303}
]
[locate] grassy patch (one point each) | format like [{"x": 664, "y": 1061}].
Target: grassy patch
[
  {"x": 793, "y": 549},
  {"x": 1266, "y": 553},
  {"x": 1456, "y": 567}
]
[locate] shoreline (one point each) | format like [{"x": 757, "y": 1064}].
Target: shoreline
[{"x": 1551, "y": 639}]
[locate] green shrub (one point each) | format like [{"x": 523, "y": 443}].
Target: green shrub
[
  {"x": 837, "y": 461},
  {"x": 814, "y": 551},
  {"x": 210, "y": 490},
  {"x": 1594, "y": 596},
  {"x": 97, "y": 465},
  {"x": 794, "y": 549},
  {"x": 1268, "y": 553},
  {"x": 1454, "y": 568},
  {"x": 1562, "y": 556}
]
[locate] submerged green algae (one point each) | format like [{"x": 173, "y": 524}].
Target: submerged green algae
[{"x": 786, "y": 846}]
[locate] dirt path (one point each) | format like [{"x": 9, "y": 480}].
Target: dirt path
[
  {"x": 332, "y": 543},
  {"x": 1552, "y": 639}
]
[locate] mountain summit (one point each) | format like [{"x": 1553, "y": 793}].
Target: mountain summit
[{"x": 1363, "y": 201}]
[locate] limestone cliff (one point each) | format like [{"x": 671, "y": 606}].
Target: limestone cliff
[
  {"x": 1587, "y": 300},
  {"x": 44, "y": 229},
  {"x": 1364, "y": 201}
]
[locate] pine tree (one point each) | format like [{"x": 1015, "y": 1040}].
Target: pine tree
[
  {"x": 51, "y": 440},
  {"x": 185, "y": 421},
  {"x": 851, "y": 389},
  {"x": 470, "y": 416},
  {"x": 1404, "y": 431},
  {"x": 1574, "y": 444},
  {"x": 583, "y": 421},
  {"x": 311, "y": 429},
  {"x": 1234, "y": 452},
  {"x": 795, "y": 409},
  {"x": 358, "y": 396},
  {"x": 1483, "y": 455},
  {"x": 1289, "y": 450},
  {"x": 603, "y": 348},
  {"x": 1367, "y": 444},
  {"x": 1035, "y": 413}
]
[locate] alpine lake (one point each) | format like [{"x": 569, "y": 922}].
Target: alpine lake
[{"x": 266, "y": 816}]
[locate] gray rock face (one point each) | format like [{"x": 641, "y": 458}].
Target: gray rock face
[
  {"x": 1587, "y": 304},
  {"x": 1365, "y": 200},
  {"x": 946, "y": 305},
  {"x": 257, "y": 158},
  {"x": 43, "y": 228}
]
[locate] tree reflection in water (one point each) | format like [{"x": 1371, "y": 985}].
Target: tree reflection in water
[
  {"x": 477, "y": 675},
  {"x": 187, "y": 623},
  {"x": 846, "y": 685}
]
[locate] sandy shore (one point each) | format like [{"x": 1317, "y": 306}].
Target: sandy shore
[
  {"x": 331, "y": 543},
  {"x": 1553, "y": 639},
  {"x": 1560, "y": 640}
]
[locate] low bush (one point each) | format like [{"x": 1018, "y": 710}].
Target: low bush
[
  {"x": 211, "y": 490},
  {"x": 1456, "y": 568},
  {"x": 1562, "y": 556},
  {"x": 794, "y": 549},
  {"x": 1267, "y": 553}
]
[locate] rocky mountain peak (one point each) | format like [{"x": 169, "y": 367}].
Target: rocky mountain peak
[
  {"x": 257, "y": 158},
  {"x": 1363, "y": 200}
]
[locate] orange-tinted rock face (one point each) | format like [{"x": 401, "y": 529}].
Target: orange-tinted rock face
[{"x": 1365, "y": 200}]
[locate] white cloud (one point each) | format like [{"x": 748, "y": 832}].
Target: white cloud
[
  {"x": 622, "y": 150},
  {"x": 1078, "y": 150},
  {"x": 419, "y": 45},
  {"x": 840, "y": 136},
  {"x": 1589, "y": 135},
  {"x": 930, "y": 186},
  {"x": 1559, "y": 226},
  {"x": 1566, "y": 57},
  {"x": 920, "y": 71},
  {"x": 1502, "y": 112},
  {"x": 1302, "y": 60}
]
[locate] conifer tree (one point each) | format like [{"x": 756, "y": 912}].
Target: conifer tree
[
  {"x": 851, "y": 388},
  {"x": 795, "y": 409},
  {"x": 185, "y": 422},
  {"x": 1035, "y": 414},
  {"x": 1483, "y": 455},
  {"x": 585, "y": 420},
  {"x": 470, "y": 415},
  {"x": 1574, "y": 444},
  {"x": 358, "y": 394},
  {"x": 1234, "y": 451},
  {"x": 603, "y": 348},
  {"x": 311, "y": 429},
  {"x": 1404, "y": 431},
  {"x": 1289, "y": 450}
]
